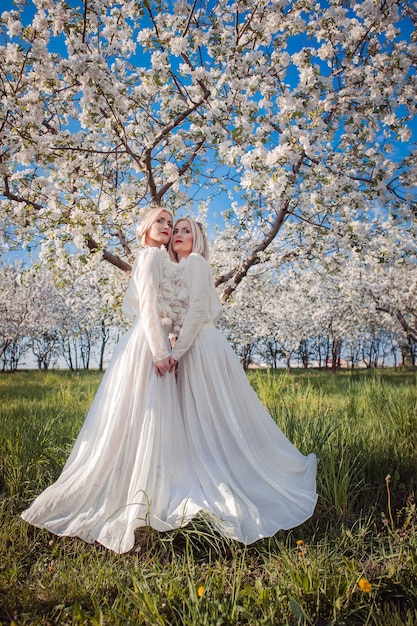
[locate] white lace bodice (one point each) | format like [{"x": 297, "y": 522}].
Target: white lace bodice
[
  {"x": 202, "y": 304},
  {"x": 153, "y": 296}
]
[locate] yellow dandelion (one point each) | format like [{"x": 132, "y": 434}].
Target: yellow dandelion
[
  {"x": 365, "y": 585},
  {"x": 200, "y": 591},
  {"x": 299, "y": 542}
]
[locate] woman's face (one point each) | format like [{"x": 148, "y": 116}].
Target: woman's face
[
  {"x": 182, "y": 239},
  {"x": 160, "y": 231}
]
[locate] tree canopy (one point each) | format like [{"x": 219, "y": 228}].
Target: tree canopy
[{"x": 293, "y": 122}]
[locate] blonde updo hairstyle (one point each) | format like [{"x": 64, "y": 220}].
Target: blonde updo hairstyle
[
  {"x": 200, "y": 241},
  {"x": 147, "y": 220}
]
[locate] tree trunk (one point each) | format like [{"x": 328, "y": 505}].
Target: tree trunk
[{"x": 336, "y": 347}]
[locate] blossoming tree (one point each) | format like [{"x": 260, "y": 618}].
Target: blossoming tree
[
  {"x": 293, "y": 120},
  {"x": 355, "y": 305},
  {"x": 14, "y": 315},
  {"x": 59, "y": 317}
]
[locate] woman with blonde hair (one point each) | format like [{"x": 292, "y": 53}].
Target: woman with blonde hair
[
  {"x": 254, "y": 481},
  {"x": 128, "y": 467}
]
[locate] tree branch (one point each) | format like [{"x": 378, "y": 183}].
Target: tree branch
[
  {"x": 85, "y": 21},
  {"x": 246, "y": 25},
  {"x": 181, "y": 171},
  {"x": 409, "y": 330},
  {"x": 12, "y": 196},
  {"x": 124, "y": 243},
  {"x": 108, "y": 256},
  {"x": 91, "y": 243},
  {"x": 187, "y": 26},
  {"x": 237, "y": 274}
]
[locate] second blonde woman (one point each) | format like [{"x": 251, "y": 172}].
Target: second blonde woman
[{"x": 254, "y": 481}]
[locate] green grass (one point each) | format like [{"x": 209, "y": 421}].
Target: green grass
[{"x": 363, "y": 427}]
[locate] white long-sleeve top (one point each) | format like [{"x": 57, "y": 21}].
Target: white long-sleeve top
[
  {"x": 204, "y": 305},
  {"x": 149, "y": 296}
]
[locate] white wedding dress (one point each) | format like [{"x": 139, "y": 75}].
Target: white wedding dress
[
  {"x": 141, "y": 460},
  {"x": 254, "y": 480},
  {"x": 130, "y": 465}
]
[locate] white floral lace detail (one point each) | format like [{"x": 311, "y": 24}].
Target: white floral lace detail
[
  {"x": 181, "y": 295},
  {"x": 172, "y": 295}
]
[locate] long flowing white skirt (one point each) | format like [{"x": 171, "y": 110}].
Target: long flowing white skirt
[
  {"x": 254, "y": 480},
  {"x": 129, "y": 466}
]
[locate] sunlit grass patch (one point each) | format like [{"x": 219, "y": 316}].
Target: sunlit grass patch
[{"x": 354, "y": 562}]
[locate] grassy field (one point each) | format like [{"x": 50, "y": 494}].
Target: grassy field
[{"x": 353, "y": 563}]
